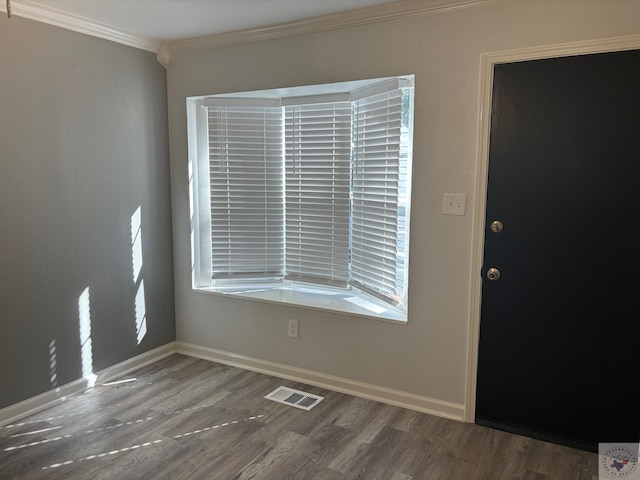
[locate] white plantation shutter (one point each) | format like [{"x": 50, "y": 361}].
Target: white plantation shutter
[
  {"x": 376, "y": 186},
  {"x": 246, "y": 181},
  {"x": 317, "y": 169}
]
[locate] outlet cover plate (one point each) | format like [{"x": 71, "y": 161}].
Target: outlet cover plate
[
  {"x": 454, "y": 204},
  {"x": 294, "y": 326}
]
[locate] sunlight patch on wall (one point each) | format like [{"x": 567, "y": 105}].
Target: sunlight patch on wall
[
  {"x": 136, "y": 244},
  {"x": 86, "y": 346},
  {"x": 53, "y": 364},
  {"x": 136, "y": 260},
  {"x": 141, "y": 314}
]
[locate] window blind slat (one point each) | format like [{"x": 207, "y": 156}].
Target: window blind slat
[
  {"x": 315, "y": 193},
  {"x": 376, "y": 183},
  {"x": 245, "y": 177},
  {"x": 317, "y": 169}
]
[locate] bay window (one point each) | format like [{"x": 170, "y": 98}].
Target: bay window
[{"x": 301, "y": 195}]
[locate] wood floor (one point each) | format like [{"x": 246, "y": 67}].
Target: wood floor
[{"x": 184, "y": 418}]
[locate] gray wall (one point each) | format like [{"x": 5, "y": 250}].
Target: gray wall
[
  {"x": 428, "y": 356},
  {"x": 83, "y": 144}
]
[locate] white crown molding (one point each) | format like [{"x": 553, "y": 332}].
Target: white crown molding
[
  {"x": 167, "y": 50},
  {"x": 361, "y": 16},
  {"x": 59, "y": 18}
]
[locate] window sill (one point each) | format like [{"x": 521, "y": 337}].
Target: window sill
[{"x": 315, "y": 298}]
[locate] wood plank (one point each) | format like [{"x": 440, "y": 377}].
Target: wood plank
[{"x": 188, "y": 419}]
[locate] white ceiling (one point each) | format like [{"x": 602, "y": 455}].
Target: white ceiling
[{"x": 179, "y": 19}]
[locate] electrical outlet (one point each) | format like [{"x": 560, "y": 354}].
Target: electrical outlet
[
  {"x": 454, "y": 204},
  {"x": 293, "y": 328}
]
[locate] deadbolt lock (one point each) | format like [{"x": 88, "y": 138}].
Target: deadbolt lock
[
  {"x": 493, "y": 274},
  {"x": 497, "y": 226}
]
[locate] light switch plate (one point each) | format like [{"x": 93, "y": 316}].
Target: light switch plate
[{"x": 454, "y": 204}]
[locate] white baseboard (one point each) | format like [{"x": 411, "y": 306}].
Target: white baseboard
[
  {"x": 359, "y": 389},
  {"x": 34, "y": 404},
  {"x": 397, "y": 398}
]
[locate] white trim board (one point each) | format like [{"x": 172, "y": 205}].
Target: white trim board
[
  {"x": 59, "y": 18},
  {"x": 487, "y": 63},
  {"x": 34, "y": 404},
  {"x": 397, "y": 398},
  {"x": 360, "y": 16},
  {"x": 165, "y": 50}
]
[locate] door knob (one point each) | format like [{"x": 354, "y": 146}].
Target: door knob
[
  {"x": 496, "y": 226},
  {"x": 493, "y": 274}
]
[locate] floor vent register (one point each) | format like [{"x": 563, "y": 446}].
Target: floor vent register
[{"x": 294, "y": 398}]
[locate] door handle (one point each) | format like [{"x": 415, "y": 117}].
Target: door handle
[{"x": 493, "y": 274}]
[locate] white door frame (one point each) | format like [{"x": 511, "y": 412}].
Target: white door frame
[{"x": 487, "y": 63}]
